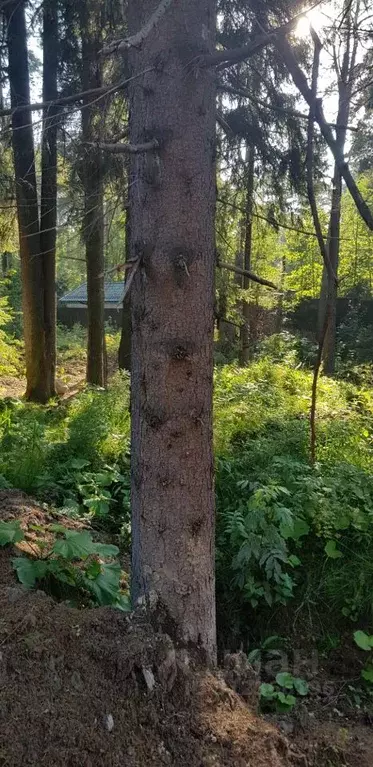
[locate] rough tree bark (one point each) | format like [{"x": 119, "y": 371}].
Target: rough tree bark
[
  {"x": 92, "y": 176},
  {"x": 48, "y": 204},
  {"x": 27, "y": 206},
  {"x": 172, "y": 205}
]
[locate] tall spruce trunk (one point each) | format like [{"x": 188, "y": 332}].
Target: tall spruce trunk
[
  {"x": 27, "y": 206},
  {"x": 172, "y": 207},
  {"x": 92, "y": 175},
  {"x": 246, "y": 341},
  {"x": 48, "y": 204}
]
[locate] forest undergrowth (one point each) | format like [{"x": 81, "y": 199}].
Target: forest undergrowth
[{"x": 292, "y": 539}]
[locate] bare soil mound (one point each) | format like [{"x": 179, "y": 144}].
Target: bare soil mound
[{"x": 97, "y": 688}]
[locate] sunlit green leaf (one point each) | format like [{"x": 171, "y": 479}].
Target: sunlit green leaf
[
  {"x": 75, "y": 545},
  {"x": 10, "y": 532},
  {"x": 367, "y": 674},
  {"x": 267, "y": 691},
  {"x": 284, "y": 679},
  {"x": 106, "y": 586},
  {"x": 363, "y": 640},
  {"x": 301, "y": 686},
  {"x": 331, "y": 550}
]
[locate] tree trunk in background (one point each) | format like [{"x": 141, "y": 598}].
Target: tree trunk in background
[
  {"x": 27, "y": 207},
  {"x": 346, "y": 73},
  {"x": 172, "y": 202},
  {"x": 329, "y": 290},
  {"x": 280, "y": 305},
  {"x": 226, "y": 329},
  {"x": 48, "y": 205},
  {"x": 6, "y": 263},
  {"x": 92, "y": 174},
  {"x": 124, "y": 353},
  {"x": 246, "y": 344}
]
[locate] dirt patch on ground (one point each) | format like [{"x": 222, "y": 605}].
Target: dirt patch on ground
[
  {"x": 97, "y": 688},
  {"x": 75, "y": 691},
  {"x": 71, "y": 378}
]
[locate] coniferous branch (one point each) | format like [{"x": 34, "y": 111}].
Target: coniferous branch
[
  {"x": 245, "y": 273},
  {"x": 97, "y": 93},
  {"x": 231, "y": 56},
  {"x": 135, "y": 40},
  {"x": 241, "y": 92},
  {"x": 300, "y": 81}
]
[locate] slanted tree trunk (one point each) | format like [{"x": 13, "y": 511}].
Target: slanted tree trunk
[
  {"x": 48, "y": 205},
  {"x": 346, "y": 73},
  {"x": 92, "y": 175},
  {"x": 27, "y": 206},
  {"x": 246, "y": 345},
  {"x": 172, "y": 202}
]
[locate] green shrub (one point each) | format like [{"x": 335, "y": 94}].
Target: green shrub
[
  {"x": 71, "y": 342},
  {"x": 73, "y": 455},
  {"x": 11, "y": 289},
  {"x": 291, "y": 538},
  {"x": 289, "y": 533},
  {"x": 10, "y": 363},
  {"x": 73, "y": 564}
]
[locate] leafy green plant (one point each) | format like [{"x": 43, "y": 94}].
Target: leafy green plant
[
  {"x": 10, "y": 532},
  {"x": 74, "y": 561},
  {"x": 72, "y": 455},
  {"x": 259, "y": 533},
  {"x": 10, "y": 357},
  {"x": 282, "y": 694},
  {"x": 365, "y": 642},
  {"x": 288, "y": 532}
]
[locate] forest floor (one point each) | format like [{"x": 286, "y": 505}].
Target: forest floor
[
  {"x": 97, "y": 687},
  {"x": 71, "y": 375}
]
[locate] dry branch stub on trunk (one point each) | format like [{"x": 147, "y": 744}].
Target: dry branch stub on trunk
[{"x": 172, "y": 203}]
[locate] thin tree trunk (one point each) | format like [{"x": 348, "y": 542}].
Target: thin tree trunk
[
  {"x": 48, "y": 205},
  {"x": 329, "y": 289},
  {"x": 246, "y": 345},
  {"x": 329, "y": 346},
  {"x": 280, "y": 305},
  {"x": 27, "y": 206},
  {"x": 172, "y": 202},
  {"x": 124, "y": 353},
  {"x": 6, "y": 262},
  {"x": 92, "y": 172},
  {"x": 226, "y": 329}
]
